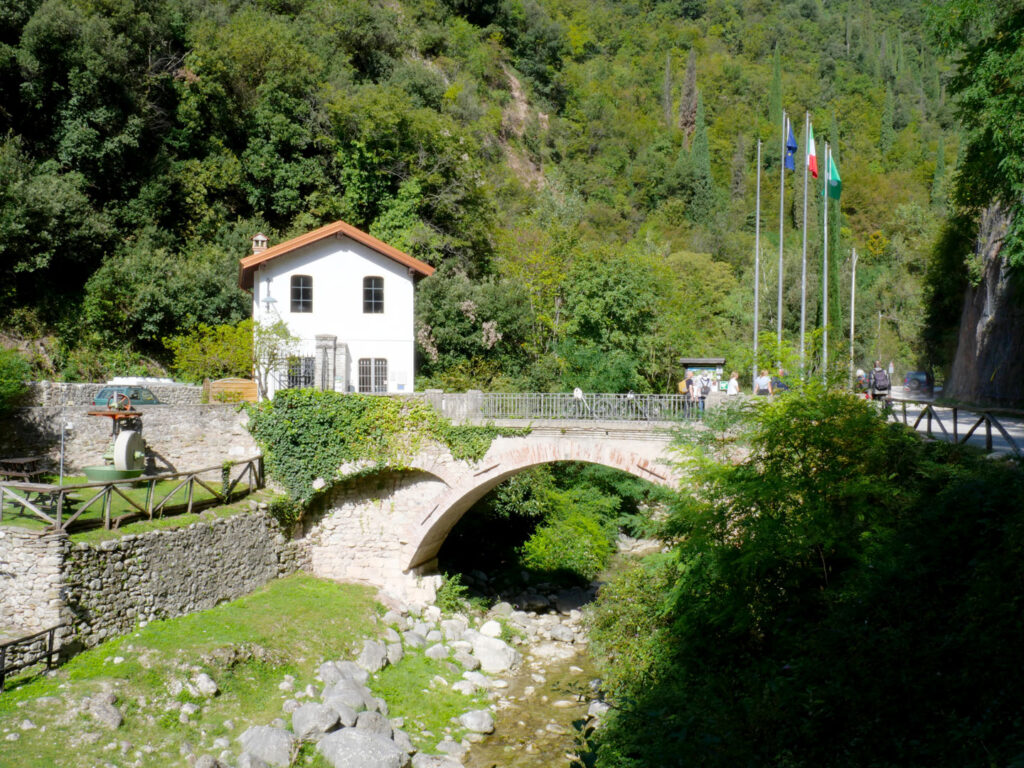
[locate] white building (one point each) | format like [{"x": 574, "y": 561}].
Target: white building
[{"x": 348, "y": 297}]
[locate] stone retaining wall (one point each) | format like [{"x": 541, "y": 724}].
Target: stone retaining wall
[
  {"x": 57, "y": 393},
  {"x": 102, "y": 590},
  {"x": 161, "y": 574},
  {"x": 178, "y": 437},
  {"x": 30, "y": 580}
]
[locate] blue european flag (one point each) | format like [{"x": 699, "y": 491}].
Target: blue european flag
[{"x": 790, "y": 148}]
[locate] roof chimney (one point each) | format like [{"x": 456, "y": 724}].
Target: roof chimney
[{"x": 259, "y": 243}]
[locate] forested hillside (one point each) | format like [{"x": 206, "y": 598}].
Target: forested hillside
[{"x": 581, "y": 172}]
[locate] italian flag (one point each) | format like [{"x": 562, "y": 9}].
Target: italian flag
[{"x": 812, "y": 157}]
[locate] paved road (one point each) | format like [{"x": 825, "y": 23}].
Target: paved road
[{"x": 965, "y": 420}]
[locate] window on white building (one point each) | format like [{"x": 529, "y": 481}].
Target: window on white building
[
  {"x": 301, "y": 371},
  {"x": 373, "y": 295},
  {"x": 302, "y": 293},
  {"x": 373, "y": 375}
]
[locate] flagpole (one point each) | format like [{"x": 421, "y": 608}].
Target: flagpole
[
  {"x": 824, "y": 272},
  {"x": 782, "y": 208},
  {"x": 853, "y": 298},
  {"x": 803, "y": 264},
  {"x": 757, "y": 259}
]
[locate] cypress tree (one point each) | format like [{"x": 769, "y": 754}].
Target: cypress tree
[
  {"x": 688, "y": 102},
  {"x": 888, "y": 133},
  {"x": 666, "y": 90},
  {"x": 739, "y": 168},
  {"x": 835, "y": 256},
  {"x": 775, "y": 93},
  {"x": 938, "y": 179},
  {"x": 701, "y": 192}
]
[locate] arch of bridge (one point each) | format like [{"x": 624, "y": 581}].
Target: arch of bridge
[{"x": 466, "y": 484}]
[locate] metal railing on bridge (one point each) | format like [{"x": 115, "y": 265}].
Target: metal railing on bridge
[{"x": 587, "y": 406}]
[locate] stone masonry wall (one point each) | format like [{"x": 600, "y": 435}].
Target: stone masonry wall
[
  {"x": 178, "y": 437},
  {"x": 100, "y": 591},
  {"x": 57, "y": 393},
  {"x": 161, "y": 574},
  {"x": 358, "y": 538},
  {"x": 30, "y": 580}
]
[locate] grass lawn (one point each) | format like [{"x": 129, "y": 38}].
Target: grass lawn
[{"x": 247, "y": 646}]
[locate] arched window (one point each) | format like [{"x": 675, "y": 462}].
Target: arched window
[
  {"x": 302, "y": 293},
  {"x": 373, "y": 295}
]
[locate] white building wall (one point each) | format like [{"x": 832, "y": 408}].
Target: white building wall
[{"x": 337, "y": 266}]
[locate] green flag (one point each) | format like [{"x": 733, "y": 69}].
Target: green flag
[{"x": 833, "y": 183}]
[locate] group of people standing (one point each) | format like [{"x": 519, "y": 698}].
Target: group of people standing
[
  {"x": 766, "y": 385},
  {"x": 697, "y": 389}
]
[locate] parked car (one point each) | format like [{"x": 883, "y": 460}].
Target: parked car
[
  {"x": 918, "y": 383},
  {"x": 115, "y": 395}
]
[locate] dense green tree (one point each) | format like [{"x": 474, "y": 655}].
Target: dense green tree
[
  {"x": 888, "y": 133},
  {"x": 939, "y": 176},
  {"x": 775, "y": 91},
  {"x": 701, "y": 187},
  {"x": 689, "y": 98},
  {"x": 818, "y": 595}
]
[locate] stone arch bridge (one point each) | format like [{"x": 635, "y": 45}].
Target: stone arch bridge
[{"x": 386, "y": 529}]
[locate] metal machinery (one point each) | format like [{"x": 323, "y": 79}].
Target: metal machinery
[{"x": 126, "y": 457}]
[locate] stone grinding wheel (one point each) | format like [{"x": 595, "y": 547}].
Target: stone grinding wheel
[{"x": 129, "y": 450}]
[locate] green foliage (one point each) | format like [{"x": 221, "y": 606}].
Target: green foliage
[
  {"x": 309, "y": 434},
  {"x": 213, "y": 352},
  {"x": 144, "y": 139},
  {"x": 146, "y": 294},
  {"x": 988, "y": 83},
  {"x": 836, "y": 575},
  {"x": 574, "y": 541},
  {"x": 573, "y": 545},
  {"x": 14, "y": 373},
  {"x": 451, "y": 595}
]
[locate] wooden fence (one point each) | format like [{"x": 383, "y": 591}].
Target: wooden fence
[
  {"x": 28, "y": 660},
  {"x": 51, "y": 502},
  {"x": 230, "y": 391}
]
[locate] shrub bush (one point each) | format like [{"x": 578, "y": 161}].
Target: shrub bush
[
  {"x": 14, "y": 371},
  {"x": 573, "y": 545}
]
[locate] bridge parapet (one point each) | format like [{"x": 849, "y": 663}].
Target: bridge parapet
[{"x": 477, "y": 407}]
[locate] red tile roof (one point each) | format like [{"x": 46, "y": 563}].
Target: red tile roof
[{"x": 247, "y": 265}]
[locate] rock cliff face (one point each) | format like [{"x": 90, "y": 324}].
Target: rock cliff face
[{"x": 989, "y": 363}]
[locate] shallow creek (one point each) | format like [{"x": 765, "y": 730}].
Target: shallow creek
[{"x": 536, "y": 713}]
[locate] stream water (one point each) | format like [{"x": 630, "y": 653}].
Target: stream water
[{"x": 539, "y": 715}]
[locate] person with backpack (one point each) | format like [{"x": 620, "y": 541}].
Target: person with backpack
[
  {"x": 880, "y": 383},
  {"x": 703, "y": 390}
]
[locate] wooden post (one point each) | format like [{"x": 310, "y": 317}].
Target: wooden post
[
  {"x": 49, "y": 647},
  {"x": 988, "y": 433},
  {"x": 106, "y": 507},
  {"x": 191, "y": 486},
  {"x": 956, "y": 432},
  {"x": 149, "y": 498}
]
